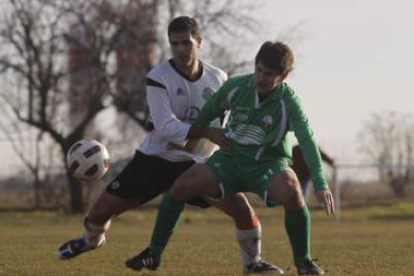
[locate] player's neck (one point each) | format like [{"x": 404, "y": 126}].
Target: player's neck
[
  {"x": 264, "y": 94},
  {"x": 262, "y": 97},
  {"x": 192, "y": 71}
]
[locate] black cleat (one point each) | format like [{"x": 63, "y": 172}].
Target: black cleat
[
  {"x": 308, "y": 267},
  {"x": 146, "y": 259},
  {"x": 262, "y": 267},
  {"x": 75, "y": 247}
]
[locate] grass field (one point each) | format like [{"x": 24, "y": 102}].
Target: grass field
[{"x": 366, "y": 241}]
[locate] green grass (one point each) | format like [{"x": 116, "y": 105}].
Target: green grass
[{"x": 368, "y": 241}]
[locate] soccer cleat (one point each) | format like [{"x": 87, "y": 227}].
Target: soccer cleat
[
  {"x": 262, "y": 267},
  {"x": 75, "y": 247},
  {"x": 308, "y": 267},
  {"x": 146, "y": 259}
]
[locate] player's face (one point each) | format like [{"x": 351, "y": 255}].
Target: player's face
[
  {"x": 266, "y": 79},
  {"x": 184, "y": 48}
]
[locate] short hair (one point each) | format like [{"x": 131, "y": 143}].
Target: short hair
[
  {"x": 184, "y": 24},
  {"x": 276, "y": 56}
]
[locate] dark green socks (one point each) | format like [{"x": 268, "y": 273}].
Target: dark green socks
[
  {"x": 167, "y": 218},
  {"x": 297, "y": 226}
]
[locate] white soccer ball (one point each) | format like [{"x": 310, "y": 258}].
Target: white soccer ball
[{"x": 87, "y": 160}]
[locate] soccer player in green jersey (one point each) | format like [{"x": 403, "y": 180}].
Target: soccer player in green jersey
[{"x": 255, "y": 152}]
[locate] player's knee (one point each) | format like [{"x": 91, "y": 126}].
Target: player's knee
[
  {"x": 180, "y": 190},
  {"x": 106, "y": 207},
  {"x": 238, "y": 208},
  {"x": 293, "y": 198},
  {"x": 245, "y": 210},
  {"x": 243, "y": 216}
]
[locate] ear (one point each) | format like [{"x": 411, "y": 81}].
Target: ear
[
  {"x": 280, "y": 79},
  {"x": 199, "y": 40}
]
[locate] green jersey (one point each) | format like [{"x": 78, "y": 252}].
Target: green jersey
[{"x": 257, "y": 130}]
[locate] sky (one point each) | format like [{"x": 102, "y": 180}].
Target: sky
[{"x": 353, "y": 58}]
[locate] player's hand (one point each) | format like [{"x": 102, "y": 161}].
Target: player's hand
[
  {"x": 216, "y": 135},
  {"x": 325, "y": 197},
  {"x": 189, "y": 146}
]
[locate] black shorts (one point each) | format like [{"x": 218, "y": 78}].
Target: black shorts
[{"x": 147, "y": 176}]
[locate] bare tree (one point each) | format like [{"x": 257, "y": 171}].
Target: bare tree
[
  {"x": 33, "y": 58},
  {"x": 64, "y": 62},
  {"x": 387, "y": 138}
]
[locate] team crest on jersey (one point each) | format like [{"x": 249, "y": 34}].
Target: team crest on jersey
[
  {"x": 267, "y": 120},
  {"x": 180, "y": 91},
  {"x": 207, "y": 93}
]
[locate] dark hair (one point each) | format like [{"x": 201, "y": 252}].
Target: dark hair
[
  {"x": 184, "y": 24},
  {"x": 276, "y": 56}
]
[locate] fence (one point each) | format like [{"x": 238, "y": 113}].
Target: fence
[{"x": 361, "y": 174}]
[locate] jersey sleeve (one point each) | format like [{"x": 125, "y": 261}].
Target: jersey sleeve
[
  {"x": 165, "y": 121},
  {"x": 216, "y": 106},
  {"x": 300, "y": 125}
]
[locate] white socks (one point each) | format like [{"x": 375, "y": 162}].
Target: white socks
[
  {"x": 94, "y": 234},
  {"x": 250, "y": 244}
]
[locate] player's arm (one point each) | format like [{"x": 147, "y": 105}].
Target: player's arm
[
  {"x": 304, "y": 134},
  {"x": 165, "y": 121},
  {"x": 214, "y": 108}
]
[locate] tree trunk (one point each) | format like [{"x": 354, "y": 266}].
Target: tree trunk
[
  {"x": 37, "y": 190},
  {"x": 398, "y": 184},
  {"x": 76, "y": 196}
]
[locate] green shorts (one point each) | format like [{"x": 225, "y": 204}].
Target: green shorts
[{"x": 239, "y": 174}]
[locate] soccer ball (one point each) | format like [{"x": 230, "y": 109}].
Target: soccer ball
[{"x": 87, "y": 160}]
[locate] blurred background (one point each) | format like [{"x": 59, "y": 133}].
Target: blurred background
[{"x": 76, "y": 69}]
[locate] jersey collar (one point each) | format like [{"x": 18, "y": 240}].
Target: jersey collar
[
  {"x": 200, "y": 70},
  {"x": 277, "y": 92}
]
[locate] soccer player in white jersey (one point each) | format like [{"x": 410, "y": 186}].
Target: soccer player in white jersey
[{"x": 176, "y": 91}]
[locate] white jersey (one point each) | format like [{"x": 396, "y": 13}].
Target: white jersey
[{"x": 174, "y": 103}]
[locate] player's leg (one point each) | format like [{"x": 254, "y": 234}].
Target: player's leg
[
  {"x": 285, "y": 189},
  {"x": 142, "y": 180},
  {"x": 236, "y": 206},
  {"x": 199, "y": 180},
  {"x": 248, "y": 233},
  {"x": 139, "y": 182},
  {"x": 96, "y": 223},
  {"x": 98, "y": 219}
]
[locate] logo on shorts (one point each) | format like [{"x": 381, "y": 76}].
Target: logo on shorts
[
  {"x": 115, "y": 185},
  {"x": 268, "y": 120},
  {"x": 268, "y": 175}
]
